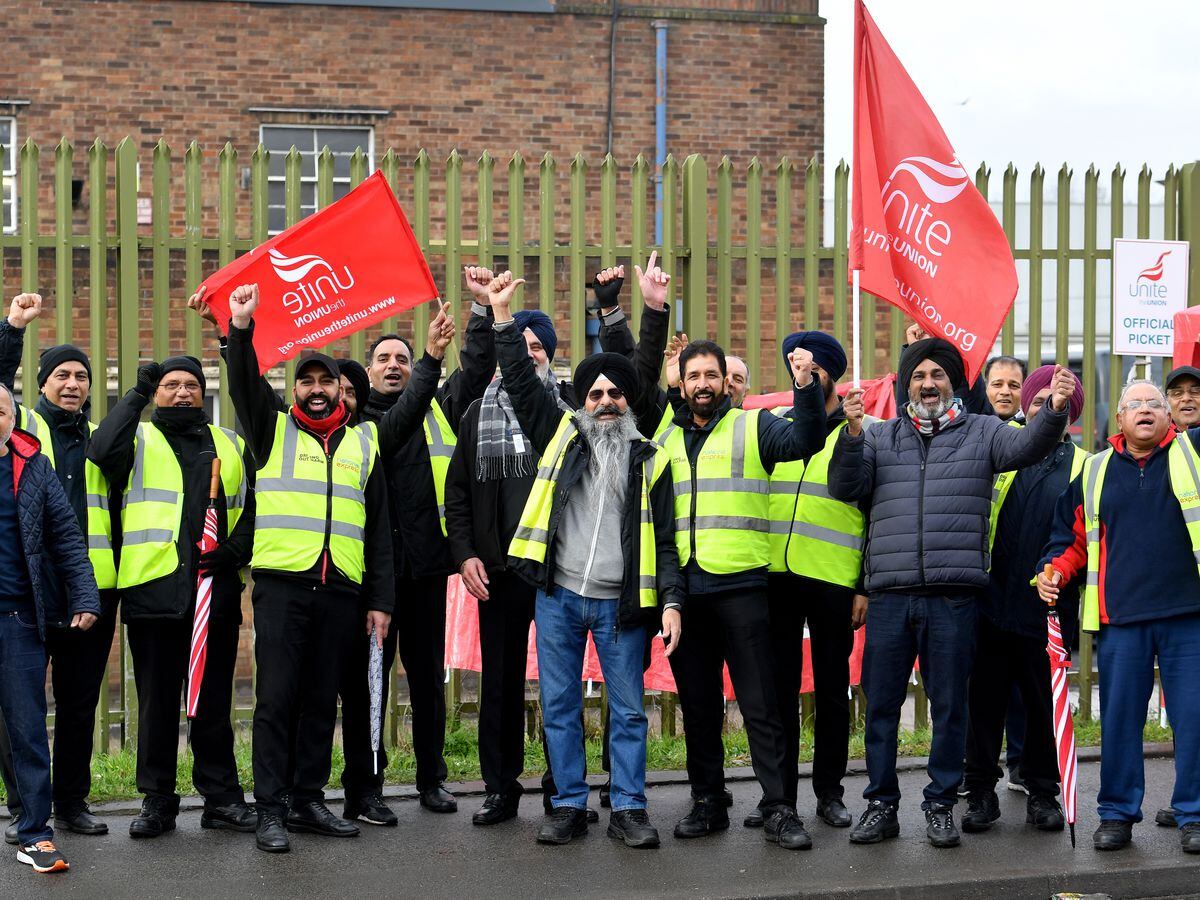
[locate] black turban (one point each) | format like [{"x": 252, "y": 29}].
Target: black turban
[
  {"x": 357, "y": 376},
  {"x": 613, "y": 366},
  {"x": 53, "y": 357},
  {"x": 944, "y": 353},
  {"x": 185, "y": 364},
  {"x": 827, "y": 352}
]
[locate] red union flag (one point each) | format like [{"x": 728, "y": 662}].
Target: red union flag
[
  {"x": 922, "y": 235},
  {"x": 340, "y": 270}
]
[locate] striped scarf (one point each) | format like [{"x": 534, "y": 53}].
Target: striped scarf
[
  {"x": 930, "y": 427},
  {"x": 503, "y": 449}
]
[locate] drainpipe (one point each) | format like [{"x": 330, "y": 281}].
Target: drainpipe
[{"x": 660, "y": 120}]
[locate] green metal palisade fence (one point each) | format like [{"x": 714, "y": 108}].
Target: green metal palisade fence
[{"x": 713, "y": 230}]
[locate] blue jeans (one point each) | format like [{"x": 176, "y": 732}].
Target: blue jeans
[
  {"x": 563, "y": 621},
  {"x": 1126, "y": 662},
  {"x": 23, "y": 703},
  {"x": 940, "y": 630}
]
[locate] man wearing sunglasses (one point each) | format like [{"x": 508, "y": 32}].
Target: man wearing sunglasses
[
  {"x": 596, "y": 537},
  {"x": 1129, "y": 529}
]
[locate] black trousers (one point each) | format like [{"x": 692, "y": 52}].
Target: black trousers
[
  {"x": 302, "y": 638},
  {"x": 1004, "y": 660},
  {"x": 732, "y": 627},
  {"x": 503, "y": 644},
  {"x": 160, "y": 650},
  {"x": 419, "y": 633},
  {"x": 827, "y": 608},
  {"x": 77, "y": 661}
]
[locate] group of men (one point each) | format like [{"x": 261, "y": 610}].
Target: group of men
[{"x": 601, "y": 505}]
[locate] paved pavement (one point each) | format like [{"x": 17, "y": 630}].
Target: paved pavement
[{"x": 431, "y": 856}]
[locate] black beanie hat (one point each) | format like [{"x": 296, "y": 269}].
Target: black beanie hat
[
  {"x": 185, "y": 364},
  {"x": 53, "y": 357}
]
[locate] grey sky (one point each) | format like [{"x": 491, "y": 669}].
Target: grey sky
[{"x": 1037, "y": 80}]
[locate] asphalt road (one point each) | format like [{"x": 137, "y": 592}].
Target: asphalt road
[{"x": 433, "y": 856}]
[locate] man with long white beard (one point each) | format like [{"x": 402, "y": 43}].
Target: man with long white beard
[
  {"x": 928, "y": 475},
  {"x": 596, "y": 537}
]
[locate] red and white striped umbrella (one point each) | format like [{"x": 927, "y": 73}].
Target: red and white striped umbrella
[
  {"x": 199, "y": 650},
  {"x": 1064, "y": 725}
]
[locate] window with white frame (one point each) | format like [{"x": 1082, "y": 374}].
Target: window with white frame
[
  {"x": 309, "y": 141},
  {"x": 8, "y": 177}
]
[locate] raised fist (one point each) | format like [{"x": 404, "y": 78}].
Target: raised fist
[
  {"x": 801, "y": 361},
  {"x": 1062, "y": 386},
  {"x": 24, "y": 309},
  {"x": 148, "y": 376},
  {"x": 854, "y": 410},
  {"x": 607, "y": 287},
  {"x": 914, "y": 333},
  {"x": 478, "y": 279},
  {"x": 242, "y": 304}
]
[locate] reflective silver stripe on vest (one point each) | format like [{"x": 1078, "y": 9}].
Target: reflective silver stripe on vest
[
  {"x": 315, "y": 526},
  {"x": 665, "y": 435},
  {"x": 828, "y": 535},
  {"x": 148, "y": 536},
  {"x": 239, "y": 499},
  {"x": 98, "y": 542},
  {"x": 742, "y": 485},
  {"x": 97, "y": 501},
  {"x": 1090, "y": 511},
  {"x": 785, "y": 487},
  {"x": 437, "y": 445},
  {"x": 364, "y": 444},
  {"x": 1093, "y": 535},
  {"x": 647, "y": 583},
  {"x": 537, "y": 535},
  {"x": 812, "y": 489},
  {"x": 739, "y": 523},
  {"x": 341, "y": 491},
  {"x": 546, "y": 472},
  {"x": 1093, "y": 579},
  {"x": 738, "y": 457},
  {"x": 137, "y": 491}
]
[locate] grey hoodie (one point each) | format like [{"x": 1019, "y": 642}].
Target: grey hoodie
[{"x": 587, "y": 553}]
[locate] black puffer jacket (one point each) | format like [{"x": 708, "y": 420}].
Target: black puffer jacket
[
  {"x": 49, "y": 530},
  {"x": 931, "y": 497}
]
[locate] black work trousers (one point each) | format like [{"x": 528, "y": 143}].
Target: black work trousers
[
  {"x": 1003, "y": 660},
  {"x": 418, "y": 631},
  {"x": 160, "y": 650},
  {"x": 827, "y": 609},
  {"x": 302, "y": 639},
  {"x": 77, "y": 660},
  {"x": 503, "y": 645},
  {"x": 732, "y": 627}
]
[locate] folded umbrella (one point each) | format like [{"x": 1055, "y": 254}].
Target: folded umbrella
[
  {"x": 375, "y": 685},
  {"x": 199, "y": 649},
  {"x": 1064, "y": 725}
]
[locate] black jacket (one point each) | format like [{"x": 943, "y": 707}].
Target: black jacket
[
  {"x": 539, "y": 417},
  {"x": 779, "y": 440},
  {"x": 257, "y": 406},
  {"x": 50, "y": 531},
  {"x": 173, "y": 596},
  {"x": 481, "y": 516},
  {"x": 1022, "y": 531},
  {"x": 418, "y": 547},
  {"x": 647, "y": 358}
]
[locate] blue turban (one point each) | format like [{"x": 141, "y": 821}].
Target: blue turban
[
  {"x": 827, "y": 352},
  {"x": 539, "y": 323}
]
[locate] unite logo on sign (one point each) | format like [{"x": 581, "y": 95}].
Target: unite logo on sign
[
  {"x": 310, "y": 299},
  {"x": 1148, "y": 283},
  {"x": 919, "y": 235}
]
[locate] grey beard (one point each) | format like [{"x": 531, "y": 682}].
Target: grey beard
[
  {"x": 609, "y": 445},
  {"x": 937, "y": 410},
  {"x": 544, "y": 372}
]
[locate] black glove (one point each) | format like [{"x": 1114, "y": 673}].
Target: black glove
[
  {"x": 606, "y": 295},
  {"x": 148, "y": 376},
  {"x": 221, "y": 558}
]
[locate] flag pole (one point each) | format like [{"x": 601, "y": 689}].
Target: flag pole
[{"x": 856, "y": 318}]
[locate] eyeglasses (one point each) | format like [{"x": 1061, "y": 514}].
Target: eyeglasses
[
  {"x": 1148, "y": 404},
  {"x": 1180, "y": 393},
  {"x": 613, "y": 394},
  {"x": 172, "y": 386}
]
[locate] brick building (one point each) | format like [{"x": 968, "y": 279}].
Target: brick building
[{"x": 744, "y": 79}]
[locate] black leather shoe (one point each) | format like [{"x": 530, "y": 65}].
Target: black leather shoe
[
  {"x": 439, "y": 800},
  {"x": 1043, "y": 813},
  {"x": 783, "y": 827},
  {"x": 1166, "y": 818},
  {"x": 562, "y": 825},
  {"x": 1113, "y": 834},
  {"x": 877, "y": 822},
  {"x": 496, "y": 809},
  {"x": 983, "y": 808},
  {"x": 314, "y": 817},
  {"x": 370, "y": 808},
  {"x": 833, "y": 812},
  {"x": 605, "y": 797},
  {"x": 592, "y": 816},
  {"x": 941, "y": 829},
  {"x": 156, "y": 818},
  {"x": 10, "y": 833},
  {"x": 271, "y": 835},
  {"x": 754, "y": 818},
  {"x": 707, "y": 815},
  {"x": 231, "y": 817},
  {"x": 727, "y": 798},
  {"x": 633, "y": 827},
  {"x": 1189, "y": 837},
  {"x": 79, "y": 820}
]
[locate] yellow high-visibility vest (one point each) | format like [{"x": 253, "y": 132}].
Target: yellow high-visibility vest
[{"x": 441, "y": 441}]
